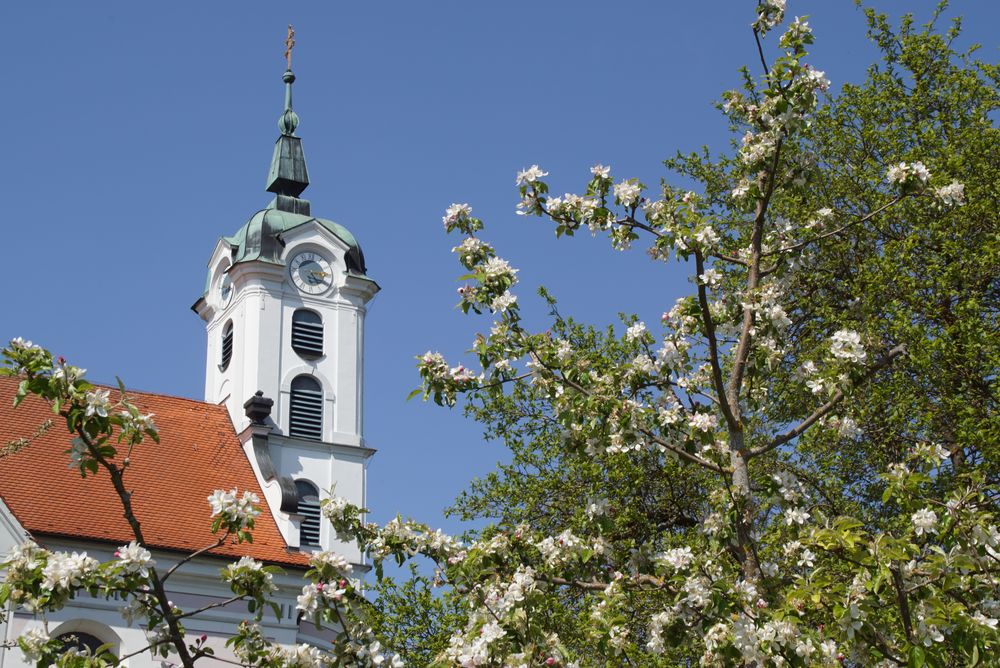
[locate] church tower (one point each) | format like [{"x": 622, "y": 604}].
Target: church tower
[{"x": 284, "y": 307}]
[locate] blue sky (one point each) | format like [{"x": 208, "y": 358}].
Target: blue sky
[{"x": 138, "y": 133}]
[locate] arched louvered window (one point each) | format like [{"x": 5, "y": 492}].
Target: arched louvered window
[
  {"x": 305, "y": 410},
  {"x": 227, "y": 345},
  {"x": 309, "y": 509},
  {"x": 307, "y": 333},
  {"x": 78, "y": 641}
]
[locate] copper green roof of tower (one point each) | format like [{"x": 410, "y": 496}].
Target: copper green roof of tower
[{"x": 259, "y": 239}]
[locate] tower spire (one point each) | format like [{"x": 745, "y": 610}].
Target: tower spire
[
  {"x": 288, "y": 177},
  {"x": 289, "y": 120}
]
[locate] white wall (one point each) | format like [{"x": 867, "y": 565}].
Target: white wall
[
  {"x": 194, "y": 585},
  {"x": 261, "y": 307}
]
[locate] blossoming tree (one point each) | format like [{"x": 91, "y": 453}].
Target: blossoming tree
[
  {"x": 707, "y": 523},
  {"x": 733, "y": 415}
]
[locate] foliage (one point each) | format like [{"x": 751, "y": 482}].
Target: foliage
[{"x": 845, "y": 326}]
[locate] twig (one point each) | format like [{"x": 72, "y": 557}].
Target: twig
[{"x": 823, "y": 410}]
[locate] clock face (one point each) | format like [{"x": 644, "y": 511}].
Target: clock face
[
  {"x": 225, "y": 290},
  {"x": 311, "y": 272}
]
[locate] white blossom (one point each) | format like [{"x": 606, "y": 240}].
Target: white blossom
[
  {"x": 983, "y": 620},
  {"x": 796, "y": 516},
  {"x": 97, "y": 403},
  {"x": 601, "y": 171},
  {"x": 235, "y": 509},
  {"x": 33, "y": 644},
  {"x": 66, "y": 571},
  {"x": 135, "y": 558},
  {"x": 924, "y": 521},
  {"x": 707, "y": 236},
  {"x": 627, "y": 192},
  {"x": 337, "y": 562},
  {"x": 455, "y": 214},
  {"x": 703, "y": 421},
  {"x": 635, "y": 331},
  {"x": 712, "y": 277},
  {"x": 903, "y": 173},
  {"x": 952, "y": 194},
  {"x": 530, "y": 175},
  {"x": 846, "y": 344},
  {"x": 741, "y": 190},
  {"x": 18, "y": 343},
  {"x": 503, "y": 302},
  {"x": 596, "y": 508},
  {"x": 677, "y": 558}
]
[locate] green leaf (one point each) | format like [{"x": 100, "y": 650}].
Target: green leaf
[{"x": 917, "y": 658}]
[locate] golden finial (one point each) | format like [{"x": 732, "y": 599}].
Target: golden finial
[{"x": 289, "y": 43}]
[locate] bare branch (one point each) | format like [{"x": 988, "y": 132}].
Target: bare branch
[
  {"x": 728, "y": 258},
  {"x": 193, "y": 555},
  {"x": 760, "y": 52},
  {"x": 211, "y": 606}
]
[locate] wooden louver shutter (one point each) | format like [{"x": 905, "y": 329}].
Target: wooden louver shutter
[
  {"x": 227, "y": 345},
  {"x": 310, "y": 511},
  {"x": 307, "y": 334},
  {"x": 305, "y": 412}
]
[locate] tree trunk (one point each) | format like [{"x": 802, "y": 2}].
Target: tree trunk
[{"x": 745, "y": 508}]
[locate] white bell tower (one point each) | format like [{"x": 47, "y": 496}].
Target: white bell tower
[{"x": 284, "y": 307}]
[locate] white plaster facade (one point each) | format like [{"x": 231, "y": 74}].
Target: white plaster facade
[
  {"x": 195, "y": 585},
  {"x": 260, "y": 308}
]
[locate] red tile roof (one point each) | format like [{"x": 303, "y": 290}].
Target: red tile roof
[{"x": 198, "y": 453}]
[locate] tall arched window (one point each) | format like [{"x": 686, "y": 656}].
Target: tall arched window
[
  {"x": 305, "y": 410},
  {"x": 227, "y": 345},
  {"x": 309, "y": 509},
  {"x": 307, "y": 333}
]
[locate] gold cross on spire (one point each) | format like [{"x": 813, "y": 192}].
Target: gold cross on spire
[{"x": 289, "y": 44}]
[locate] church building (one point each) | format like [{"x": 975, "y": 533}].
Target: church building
[{"x": 284, "y": 310}]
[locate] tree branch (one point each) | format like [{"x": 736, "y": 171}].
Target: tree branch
[
  {"x": 211, "y": 606},
  {"x": 176, "y": 633},
  {"x": 713, "y": 345},
  {"x": 193, "y": 555},
  {"x": 729, "y": 258},
  {"x": 868, "y": 216},
  {"x": 753, "y": 278},
  {"x": 680, "y": 452},
  {"x": 828, "y": 406}
]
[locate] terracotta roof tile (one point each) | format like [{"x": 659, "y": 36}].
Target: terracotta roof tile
[{"x": 198, "y": 453}]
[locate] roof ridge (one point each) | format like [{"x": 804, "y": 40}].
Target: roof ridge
[{"x": 132, "y": 392}]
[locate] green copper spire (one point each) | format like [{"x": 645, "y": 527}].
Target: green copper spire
[
  {"x": 289, "y": 119},
  {"x": 288, "y": 176}
]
